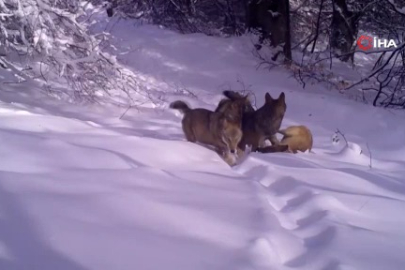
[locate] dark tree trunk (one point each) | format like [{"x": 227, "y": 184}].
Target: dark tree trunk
[
  {"x": 287, "y": 45},
  {"x": 318, "y": 24},
  {"x": 343, "y": 30},
  {"x": 270, "y": 18}
]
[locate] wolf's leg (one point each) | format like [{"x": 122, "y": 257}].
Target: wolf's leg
[
  {"x": 273, "y": 139},
  {"x": 262, "y": 142},
  {"x": 188, "y": 132}
]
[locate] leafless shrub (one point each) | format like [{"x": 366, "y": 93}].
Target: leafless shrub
[
  {"x": 215, "y": 17},
  {"x": 51, "y": 40}
]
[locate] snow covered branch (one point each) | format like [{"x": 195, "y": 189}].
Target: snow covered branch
[
  {"x": 52, "y": 38},
  {"x": 395, "y": 6}
]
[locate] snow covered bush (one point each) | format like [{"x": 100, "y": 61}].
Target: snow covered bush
[
  {"x": 48, "y": 40},
  {"x": 214, "y": 17}
]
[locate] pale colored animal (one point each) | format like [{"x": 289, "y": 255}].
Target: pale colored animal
[{"x": 298, "y": 138}]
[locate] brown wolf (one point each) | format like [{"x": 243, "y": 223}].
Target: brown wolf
[
  {"x": 262, "y": 124},
  {"x": 222, "y": 129},
  {"x": 298, "y": 138}
]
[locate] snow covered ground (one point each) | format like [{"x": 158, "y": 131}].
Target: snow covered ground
[{"x": 82, "y": 189}]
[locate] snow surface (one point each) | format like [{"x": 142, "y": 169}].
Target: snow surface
[{"x": 82, "y": 189}]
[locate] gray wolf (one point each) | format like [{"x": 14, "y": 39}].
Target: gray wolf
[
  {"x": 221, "y": 129},
  {"x": 262, "y": 124}
]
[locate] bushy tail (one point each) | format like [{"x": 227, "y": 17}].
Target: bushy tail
[
  {"x": 232, "y": 95},
  {"x": 180, "y": 105}
]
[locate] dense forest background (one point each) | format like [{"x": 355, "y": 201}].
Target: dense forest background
[{"x": 305, "y": 36}]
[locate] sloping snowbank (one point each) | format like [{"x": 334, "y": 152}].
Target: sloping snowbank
[{"x": 81, "y": 188}]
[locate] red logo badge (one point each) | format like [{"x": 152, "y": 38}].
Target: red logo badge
[{"x": 365, "y": 43}]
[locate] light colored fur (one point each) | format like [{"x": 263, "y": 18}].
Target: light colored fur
[{"x": 298, "y": 138}]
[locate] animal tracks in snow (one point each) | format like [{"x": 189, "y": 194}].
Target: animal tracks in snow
[
  {"x": 335, "y": 217},
  {"x": 297, "y": 224}
]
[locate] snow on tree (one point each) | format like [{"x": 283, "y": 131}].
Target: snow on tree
[{"x": 49, "y": 40}]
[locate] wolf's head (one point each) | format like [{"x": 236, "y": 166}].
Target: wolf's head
[
  {"x": 231, "y": 135},
  {"x": 271, "y": 114}
]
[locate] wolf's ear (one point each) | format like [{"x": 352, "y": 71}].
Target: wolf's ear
[
  {"x": 281, "y": 97},
  {"x": 268, "y": 98}
]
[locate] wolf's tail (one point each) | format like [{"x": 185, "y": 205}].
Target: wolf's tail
[
  {"x": 232, "y": 95},
  {"x": 180, "y": 105}
]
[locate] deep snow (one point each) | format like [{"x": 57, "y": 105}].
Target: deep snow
[{"x": 82, "y": 189}]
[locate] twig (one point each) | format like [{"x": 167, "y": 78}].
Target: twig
[
  {"x": 317, "y": 26},
  {"x": 369, "y": 151},
  {"x": 340, "y": 133},
  {"x": 129, "y": 107},
  {"x": 394, "y": 52},
  {"x": 364, "y": 204}
]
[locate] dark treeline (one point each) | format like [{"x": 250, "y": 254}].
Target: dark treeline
[
  {"x": 308, "y": 37},
  {"x": 319, "y": 29}
]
